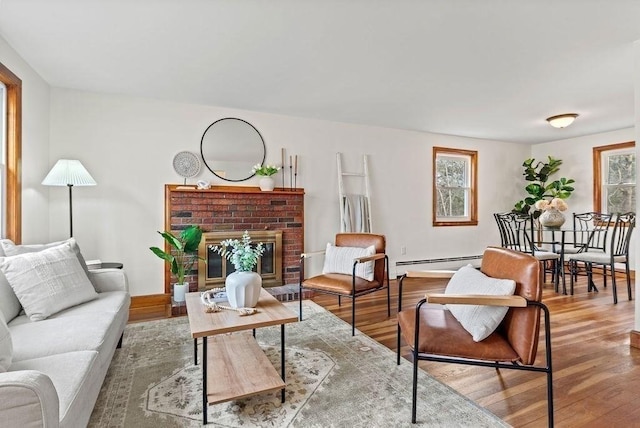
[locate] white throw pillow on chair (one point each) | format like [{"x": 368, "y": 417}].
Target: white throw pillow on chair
[
  {"x": 340, "y": 260},
  {"x": 480, "y": 321}
]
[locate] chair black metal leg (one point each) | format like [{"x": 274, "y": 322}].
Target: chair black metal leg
[
  {"x": 628, "y": 279},
  {"x": 604, "y": 275},
  {"x": 614, "y": 287},
  {"x": 572, "y": 266},
  {"x": 339, "y": 301},
  {"x": 300, "y": 301},
  {"x": 398, "y": 347},
  {"x": 414, "y": 396},
  {"x": 353, "y": 316}
]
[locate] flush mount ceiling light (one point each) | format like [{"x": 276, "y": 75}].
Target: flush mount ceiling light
[{"x": 562, "y": 120}]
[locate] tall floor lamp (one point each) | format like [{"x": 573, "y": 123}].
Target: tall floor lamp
[{"x": 68, "y": 172}]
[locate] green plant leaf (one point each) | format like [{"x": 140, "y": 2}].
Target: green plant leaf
[
  {"x": 160, "y": 253},
  {"x": 172, "y": 240},
  {"x": 191, "y": 237}
]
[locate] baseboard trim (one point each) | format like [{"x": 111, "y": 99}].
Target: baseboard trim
[
  {"x": 151, "y": 306},
  {"x": 635, "y": 339}
]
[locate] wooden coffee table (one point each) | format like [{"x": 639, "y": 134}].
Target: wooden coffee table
[{"x": 233, "y": 365}]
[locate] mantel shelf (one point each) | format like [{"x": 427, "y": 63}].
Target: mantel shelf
[{"x": 233, "y": 189}]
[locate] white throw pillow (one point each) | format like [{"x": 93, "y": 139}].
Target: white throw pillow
[
  {"x": 480, "y": 321},
  {"x": 340, "y": 260},
  {"x": 48, "y": 281},
  {"x": 11, "y": 249},
  {"x": 6, "y": 346}
]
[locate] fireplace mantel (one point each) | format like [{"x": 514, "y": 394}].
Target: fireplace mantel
[{"x": 229, "y": 208}]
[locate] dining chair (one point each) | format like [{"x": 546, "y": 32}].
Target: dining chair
[
  {"x": 590, "y": 231},
  {"x": 356, "y": 265},
  {"x": 616, "y": 252},
  {"x": 517, "y": 233}
]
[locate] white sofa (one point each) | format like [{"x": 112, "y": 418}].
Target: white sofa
[{"x": 58, "y": 364}]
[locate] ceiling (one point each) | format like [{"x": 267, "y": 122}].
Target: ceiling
[{"x": 492, "y": 69}]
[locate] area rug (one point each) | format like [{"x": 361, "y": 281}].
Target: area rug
[{"x": 333, "y": 380}]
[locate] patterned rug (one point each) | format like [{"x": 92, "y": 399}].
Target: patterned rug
[{"x": 333, "y": 380}]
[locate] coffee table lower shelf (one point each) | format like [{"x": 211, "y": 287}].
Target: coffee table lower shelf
[{"x": 238, "y": 368}]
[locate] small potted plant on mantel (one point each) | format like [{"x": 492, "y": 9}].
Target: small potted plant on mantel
[
  {"x": 267, "y": 184},
  {"x": 181, "y": 257},
  {"x": 242, "y": 286}
]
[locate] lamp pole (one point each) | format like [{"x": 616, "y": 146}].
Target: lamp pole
[{"x": 70, "y": 210}]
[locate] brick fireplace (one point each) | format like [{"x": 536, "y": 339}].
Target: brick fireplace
[{"x": 239, "y": 208}]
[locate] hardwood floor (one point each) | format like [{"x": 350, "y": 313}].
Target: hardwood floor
[{"x": 596, "y": 372}]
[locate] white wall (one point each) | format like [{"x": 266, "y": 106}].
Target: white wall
[
  {"x": 127, "y": 144},
  {"x": 35, "y": 145}
]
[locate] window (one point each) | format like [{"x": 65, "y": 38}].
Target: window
[
  {"x": 11, "y": 202},
  {"x": 454, "y": 187},
  {"x": 614, "y": 178}
]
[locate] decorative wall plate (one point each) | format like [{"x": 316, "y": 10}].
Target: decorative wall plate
[{"x": 186, "y": 164}]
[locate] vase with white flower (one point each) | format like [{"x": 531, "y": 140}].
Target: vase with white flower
[
  {"x": 267, "y": 183},
  {"x": 242, "y": 286},
  {"x": 551, "y": 217}
]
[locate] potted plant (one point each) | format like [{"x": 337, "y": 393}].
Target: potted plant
[
  {"x": 267, "y": 183},
  {"x": 181, "y": 257},
  {"x": 242, "y": 286},
  {"x": 538, "y": 175}
]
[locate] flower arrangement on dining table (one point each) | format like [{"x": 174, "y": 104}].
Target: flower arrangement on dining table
[
  {"x": 265, "y": 170},
  {"x": 243, "y": 254},
  {"x": 555, "y": 203}
]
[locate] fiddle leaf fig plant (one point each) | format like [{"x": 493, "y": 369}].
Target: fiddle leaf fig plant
[
  {"x": 538, "y": 174},
  {"x": 183, "y": 253}
]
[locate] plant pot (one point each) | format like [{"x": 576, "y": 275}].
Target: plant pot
[
  {"x": 267, "y": 184},
  {"x": 179, "y": 290},
  {"x": 243, "y": 289},
  {"x": 552, "y": 219}
]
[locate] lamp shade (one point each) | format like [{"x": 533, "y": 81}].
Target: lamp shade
[
  {"x": 68, "y": 172},
  {"x": 562, "y": 120}
]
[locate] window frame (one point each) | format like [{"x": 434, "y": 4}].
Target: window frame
[
  {"x": 472, "y": 201},
  {"x": 598, "y": 169},
  {"x": 13, "y": 213}
]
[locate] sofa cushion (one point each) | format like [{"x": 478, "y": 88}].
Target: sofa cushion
[
  {"x": 9, "y": 303},
  {"x": 340, "y": 260},
  {"x": 480, "y": 321},
  {"x": 87, "y": 332},
  {"x": 74, "y": 377},
  {"x": 11, "y": 249},
  {"x": 6, "y": 346},
  {"x": 47, "y": 281}
]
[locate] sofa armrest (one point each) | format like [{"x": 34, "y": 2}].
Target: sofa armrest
[
  {"x": 28, "y": 398},
  {"x": 109, "y": 280}
]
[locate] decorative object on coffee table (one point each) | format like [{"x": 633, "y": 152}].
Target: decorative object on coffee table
[
  {"x": 243, "y": 286},
  {"x": 181, "y": 257}
]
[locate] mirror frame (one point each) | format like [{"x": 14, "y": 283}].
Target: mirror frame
[{"x": 261, "y": 162}]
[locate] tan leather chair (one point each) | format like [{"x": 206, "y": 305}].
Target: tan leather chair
[
  {"x": 351, "y": 286},
  {"x": 435, "y": 335}
]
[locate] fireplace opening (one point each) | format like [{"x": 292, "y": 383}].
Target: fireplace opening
[{"x": 213, "y": 268}]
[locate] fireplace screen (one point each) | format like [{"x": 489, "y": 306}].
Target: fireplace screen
[{"x": 213, "y": 272}]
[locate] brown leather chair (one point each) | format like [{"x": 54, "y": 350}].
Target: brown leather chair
[
  {"x": 351, "y": 286},
  {"x": 435, "y": 335}
]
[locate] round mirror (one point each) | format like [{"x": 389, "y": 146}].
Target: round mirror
[{"x": 230, "y": 147}]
